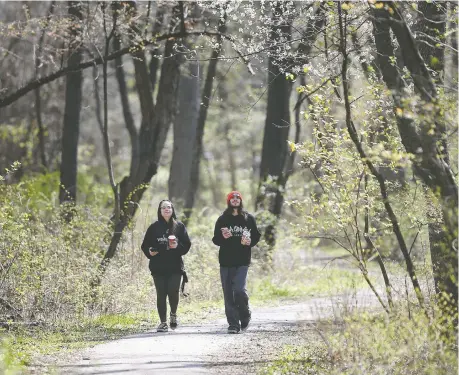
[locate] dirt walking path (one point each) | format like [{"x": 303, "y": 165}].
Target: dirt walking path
[{"x": 207, "y": 348}]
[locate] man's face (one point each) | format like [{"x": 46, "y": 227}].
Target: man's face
[{"x": 235, "y": 200}]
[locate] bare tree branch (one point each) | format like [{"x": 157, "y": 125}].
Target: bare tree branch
[{"x": 6, "y": 100}]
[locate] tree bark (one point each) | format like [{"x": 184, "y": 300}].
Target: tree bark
[
  {"x": 453, "y": 26},
  {"x": 429, "y": 164},
  {"x": 276, "y": 165},
  {"x": 223, "y": 93},
  {"x": 382, "y": 184},
  {"x": 154, "y": 60},
  {"x": 6, "y": 100},
  {"x": 213, "y": 178},
  {"x": 230, "y": 153},
  {"x": 71, "y": 128},
  {"x": 430, "y": 28},
  {"x": 104, "y": 127},
  {"x": 156, "y": 121},
  {"x": 378, "y": 132},
  {"x": 205, "y": 102},
  {"x": 185, "y": 125},
  {"x": 41, "y": 131},
  {"x": 128, "y": 118},
  {"x": 277, "y": 125}
]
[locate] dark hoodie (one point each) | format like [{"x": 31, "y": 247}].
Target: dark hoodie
[
  {"x": 232, "y": 253},
  {"x": 167, "y": 261}
]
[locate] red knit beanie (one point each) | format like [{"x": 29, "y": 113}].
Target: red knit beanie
[{"x": 230, "y": 195}]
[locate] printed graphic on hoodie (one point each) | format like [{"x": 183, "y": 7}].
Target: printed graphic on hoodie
[
  {"x": 237, "y": 231},
  {"x": 162, "y": 240}
]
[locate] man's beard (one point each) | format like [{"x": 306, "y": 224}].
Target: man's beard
[{"x": 235, "y": 207}]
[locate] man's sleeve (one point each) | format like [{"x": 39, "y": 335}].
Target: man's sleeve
[
  {"x": 218, "y": 238},
  {"x": 254, "y": 232}
]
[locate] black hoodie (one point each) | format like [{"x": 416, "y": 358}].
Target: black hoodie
[
  {"x": 232, "y": 253},
  {"x": 167, "y": 261}
]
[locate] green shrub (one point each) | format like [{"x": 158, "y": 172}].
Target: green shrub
[
  {"x": 375, "y": 344},
  {"x": 399, "y": 346},
  {"x": 10, "y": 364}
]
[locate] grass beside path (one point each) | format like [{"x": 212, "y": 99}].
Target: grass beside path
[
  {"x": 22, "y": 348},
  {"x": 25, "y": 348},
  {"x": 371, "y": 344}
]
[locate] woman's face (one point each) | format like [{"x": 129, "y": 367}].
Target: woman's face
[{"x": 166, "y": 210}]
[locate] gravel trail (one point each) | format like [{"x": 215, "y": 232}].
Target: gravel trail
[{"x": 207, "y": 348}]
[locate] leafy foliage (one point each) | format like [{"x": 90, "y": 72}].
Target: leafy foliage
[
  {"x": 47, "y": 264},
  {"x": 372, "y": 344}
]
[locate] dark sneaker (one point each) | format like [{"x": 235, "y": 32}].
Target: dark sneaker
[
  {"x": 245, "y": 324},
  {"x": 173, "y": 321},
  {"x": 233, "y": 329},
  {"x": 162, "y": 327}
]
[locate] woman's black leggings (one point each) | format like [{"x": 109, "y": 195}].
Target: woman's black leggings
[{"x": 167, "y": 286}]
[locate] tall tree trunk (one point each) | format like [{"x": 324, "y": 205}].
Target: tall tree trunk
[
  {"x": 41, "y": 131},
  {"x": 255, "y": 164},
  {"x": 379, "y": 131},
  {"x": 429, "y": 32},
  {"x": 435, "y": 172},
  {"x": 431, "y": 28},
  {"x": 205, "y": 102},
  {"x": 276, "y": 165},
  {"x": 289, "y": 166},
  {"x": 364, "y": 157},
  {"x": 127, "y": 113},
  {"x": 223, "y": 93},
  {"x": 230, "y": 153},
  {"x": 154, "y": 60},
  {"x": 214, "y": 180},
  {"x": 185, "y": 125},
  {"x": 156, "y": 121},
  {"x": 71, "y": 129},
  {"x": 429, "y": 164},
  {"x": 277, "y": 124},
  {"x": 453, "y": 26},
  {"x": 104, "y": 123}
]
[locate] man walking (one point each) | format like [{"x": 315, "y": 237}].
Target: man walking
[{"x": 235, "y": 232}]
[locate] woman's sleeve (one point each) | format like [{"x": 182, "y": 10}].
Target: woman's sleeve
[
  {"x": 148, "y": 241},
  {"x": 184, "y": 242}
]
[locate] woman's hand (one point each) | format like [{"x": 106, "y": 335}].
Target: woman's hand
[{"x": 152, "y": 253}]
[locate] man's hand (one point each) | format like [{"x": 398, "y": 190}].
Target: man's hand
[
  {"x": 173, "y": 245},
  {"x": 226, "y": 233},
  {"x": 246, "y": 241}
]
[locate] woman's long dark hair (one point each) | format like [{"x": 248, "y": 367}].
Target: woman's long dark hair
[{"x": 172, "y": 224}]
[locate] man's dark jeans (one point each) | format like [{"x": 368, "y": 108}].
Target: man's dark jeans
[{"x": 234, "y": 283}]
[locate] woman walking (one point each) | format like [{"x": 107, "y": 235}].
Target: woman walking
[{"x": 165, "y": 241}]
